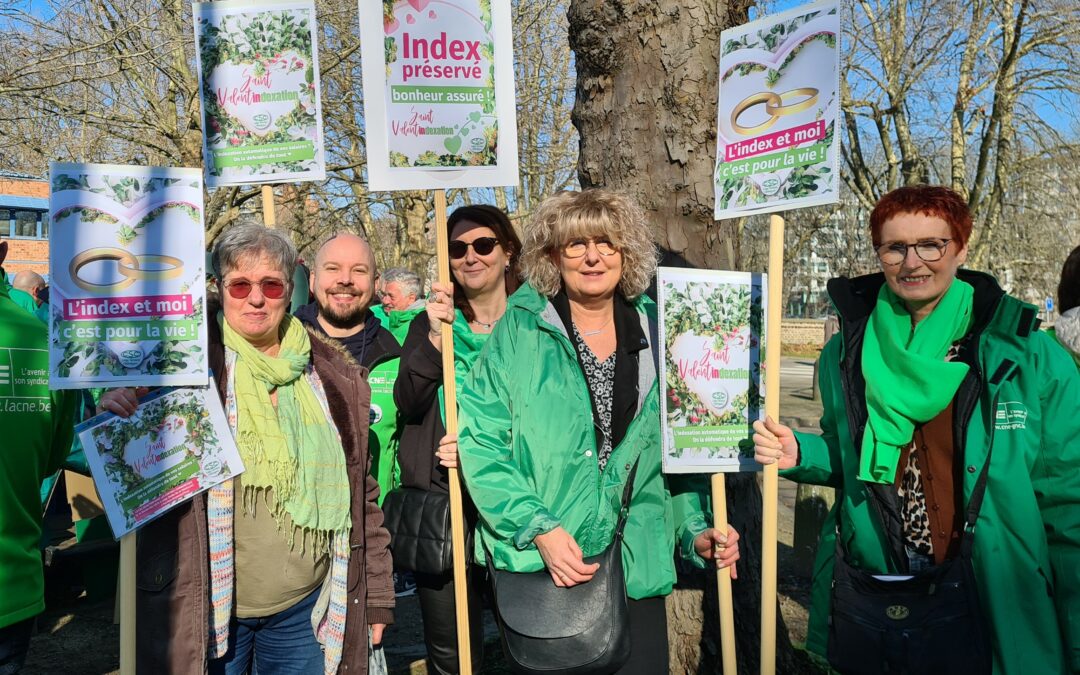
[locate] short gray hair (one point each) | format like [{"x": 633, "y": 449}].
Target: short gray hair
[
  {"x": 249, "y": 239},
  {"x": 407, "y": 279}
]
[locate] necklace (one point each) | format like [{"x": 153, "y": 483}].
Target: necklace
[
  {"x": 485, "y": 326},
  {"x": 589, "y": 333}
]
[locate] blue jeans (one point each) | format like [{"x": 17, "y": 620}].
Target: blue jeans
[
  {"x": 14, "y": 643},
  {"x": 280, "y": 644}
]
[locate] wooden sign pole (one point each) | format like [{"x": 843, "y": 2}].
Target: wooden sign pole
[
  {"x": 127, "y": 604},
  {"x": 457, "y": 514},
  {"x": 269, "y": 211},
  {"x": 770, "y": 492},
  {"x": 723, "y": 578}
]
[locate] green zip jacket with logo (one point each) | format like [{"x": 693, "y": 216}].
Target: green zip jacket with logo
[
  {"x": 1022, "y": 398},
  {"x": 36, "y": 426},
  {"x": 528, "y": 454}
]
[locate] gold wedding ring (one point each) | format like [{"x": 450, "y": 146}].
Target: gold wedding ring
[
  {"x": 774, "y": 108},
  {"x": 810, "y": 93},
  {"x": 127, "y": 264},
  {"x": 152, "y": 275},
  {"x": 766, "y": 97}
]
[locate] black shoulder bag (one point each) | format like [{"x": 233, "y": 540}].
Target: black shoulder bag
[
  {"x": 419, "y": 525},
  {"x": 581, "y": 630},
  {"x": 930, "y": 623}
]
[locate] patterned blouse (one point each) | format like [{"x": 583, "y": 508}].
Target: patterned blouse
[{"x": 601, "y": 379}]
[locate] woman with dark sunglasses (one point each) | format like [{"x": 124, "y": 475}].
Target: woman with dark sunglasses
[
  {"x": 938, "y": 392},
  {"x": 236, "y": 579},
  {"x": 483, "y": 269}
]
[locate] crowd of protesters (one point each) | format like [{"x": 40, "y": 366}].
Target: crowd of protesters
[{"x": 338, "y": 411}]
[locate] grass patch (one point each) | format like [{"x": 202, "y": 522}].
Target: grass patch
[{"x": 806, "y": 351}]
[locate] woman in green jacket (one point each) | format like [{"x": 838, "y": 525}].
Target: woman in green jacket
[
  {"x": 935, "y": 373},
  {"x": 561, "y": 404}
]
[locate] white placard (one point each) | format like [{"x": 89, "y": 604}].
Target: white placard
[
  {"x": 127, "y": 279},
  {"x": 712, "y": 327},
  {"x": 439, "y": 108},
  {"x": 777, "y": 145},
  {"x": 258, "y": 70},
  {"x": 176, "y": 445}
]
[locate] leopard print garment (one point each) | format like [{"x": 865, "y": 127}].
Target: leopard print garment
[{"x": 913, "y": 508}]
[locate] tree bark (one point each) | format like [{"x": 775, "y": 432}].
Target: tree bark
[
  {"x": 646, "y": 114},
  {"x": 645, "y": 110}
]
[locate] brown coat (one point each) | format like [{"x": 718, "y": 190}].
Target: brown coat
[{"x": 173, "y": 577}]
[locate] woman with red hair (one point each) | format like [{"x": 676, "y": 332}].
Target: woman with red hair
[{"x": 950, "y": 431}]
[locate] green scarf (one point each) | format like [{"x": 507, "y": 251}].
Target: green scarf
[
  {"x": 467, "y": 346},
  {"x": 293, "y": 449},
  {"x": 908, "y": 380}
]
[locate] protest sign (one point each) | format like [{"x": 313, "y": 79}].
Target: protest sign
[
  {"x": 127, "y": 282},
  {"x": 259, "y": 87},
  {"x": 712, "y": 329},
  {"x": 438, "y": 94},
  {"x": 176, "y": 445},
  {"x": 776, "y": 143}
]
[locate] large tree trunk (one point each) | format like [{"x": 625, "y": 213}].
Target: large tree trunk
[{"x": 646, "y": 114}]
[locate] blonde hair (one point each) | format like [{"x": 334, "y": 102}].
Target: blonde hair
[{"x": 590, "y": 213}]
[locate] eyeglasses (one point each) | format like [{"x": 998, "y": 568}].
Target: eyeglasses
[
  {"x": 579, "y": 247},
  {"x": 482, "y": 246},
  {"x": 928, "y": 250},
  {"x": 273, "y": 289}
]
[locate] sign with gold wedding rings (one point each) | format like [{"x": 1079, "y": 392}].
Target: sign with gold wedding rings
[
  {"x": 127, "y": 286},
  {"x": 776, "y": 142}
]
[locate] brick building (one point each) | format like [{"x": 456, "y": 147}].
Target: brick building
[{"x": 24, "y": 222}]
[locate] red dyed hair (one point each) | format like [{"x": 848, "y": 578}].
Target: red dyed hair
[{"x": 928, "y": 200}]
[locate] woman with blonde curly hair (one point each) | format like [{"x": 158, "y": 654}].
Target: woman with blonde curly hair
[{"x": 564, "y": 402}]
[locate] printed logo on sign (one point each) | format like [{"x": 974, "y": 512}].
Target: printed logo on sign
[
  {"x": 720, "y": 398},
  {"x": 376, "y": 414},
  {"x": 1010, "y": 416}
]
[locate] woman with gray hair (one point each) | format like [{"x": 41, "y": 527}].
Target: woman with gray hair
[
  {"x": 564, "y": 403},
  {"x": 284, "y": 569}
]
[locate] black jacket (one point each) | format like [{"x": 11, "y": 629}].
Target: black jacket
[{"x": 416, "y": 396}]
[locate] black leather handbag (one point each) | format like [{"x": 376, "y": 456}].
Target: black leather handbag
[
  {"x": 928, "y": 623},
  {"x": 581, "y": 630},
  {"x": 419, "y": 525}
]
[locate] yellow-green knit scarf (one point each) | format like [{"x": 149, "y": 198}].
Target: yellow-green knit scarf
[{"x": 292, "y": 449}]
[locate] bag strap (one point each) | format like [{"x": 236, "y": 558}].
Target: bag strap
[
  {"x": 628, "y": 492},
  {"x": 967, "y": 537}
]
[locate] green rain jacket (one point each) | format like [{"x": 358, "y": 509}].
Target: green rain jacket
[
  {"x": 529, "y": 457},
  {"x": 36, "y": 426},
  {"x": 1022, "y": 397}
]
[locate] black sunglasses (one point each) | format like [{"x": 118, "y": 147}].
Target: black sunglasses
[{"x": 482, "y": 246}]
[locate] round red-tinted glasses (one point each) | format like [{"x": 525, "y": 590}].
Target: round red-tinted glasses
[{"x": 273, "y": 289}]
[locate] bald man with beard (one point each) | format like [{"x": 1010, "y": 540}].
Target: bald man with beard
[{"x": 343, "y": 281}]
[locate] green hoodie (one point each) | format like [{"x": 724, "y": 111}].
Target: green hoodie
[
  {"x": 529, "y": 457},
  {"x": 1027, "y": 541},
  {"x": 36, "y": 426}
]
